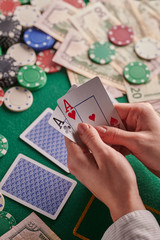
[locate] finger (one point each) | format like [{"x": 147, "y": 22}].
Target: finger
[
  {"x": 116, "y": 136},
  {"x": 70, "y": 143},
  {"x": 93, "y": 141},
  {"x": 123, "y": 109},
  {"x": 130, "y": 113},
  {"x": 78, "y": 159}
]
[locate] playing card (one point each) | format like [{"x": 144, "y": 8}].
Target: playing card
[
  {"x": 47, "y": 140},
  {"x": 91, "y": 104},
  {"x": 60, "y": 122},
  {"x": 31, "y": 228},
  {"x": 37, "y": 186}
]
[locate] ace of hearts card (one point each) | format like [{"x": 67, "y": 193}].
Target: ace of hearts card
[{"x": 91, "y": 104}]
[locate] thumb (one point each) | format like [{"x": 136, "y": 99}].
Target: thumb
[
  {"x": 91, "y": 139},
  {"x": 116, "y": 136}
]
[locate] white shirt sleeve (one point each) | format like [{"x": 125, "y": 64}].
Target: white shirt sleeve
[{"x": 138, "y": 225}]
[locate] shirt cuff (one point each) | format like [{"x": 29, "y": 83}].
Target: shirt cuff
[{"x": 139, "y": 224}]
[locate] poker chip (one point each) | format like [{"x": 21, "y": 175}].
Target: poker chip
[
  {"x": 7, "y": 222},
  {"x": 1, "y": 96},
  {"x": 10, "y": 31},
  {"x": 76, "y": 3},
  {"x": 27, "y": 15},
  {"x": 147, "y": 48},
  {"x": 23, "y": 54},
  {"x": 121, "y": 35},
  {"x": 31, "y": 77},
  {"x": 8, "y": 71},
  {"x": 3, "y": 146},
  {"x": 136, "y": 73},
  {"x": 18, "y": 99},
  {"x": 7, "y": 7},
  {"x": 41, "y": 5},
  {"x": 24, "y": 1},
  {"x": 2, "y": 202},
  {"x": 101, "y": 52},
  {"x": 37, "y": 39},
  {"x": 44, "y": 61}
]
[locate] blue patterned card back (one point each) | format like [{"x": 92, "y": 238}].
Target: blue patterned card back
[
  {"x": 37, "y": 186},
  {"x": 46, "y": 139}
]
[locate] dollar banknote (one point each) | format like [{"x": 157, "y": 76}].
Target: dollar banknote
[
  {"x": 93, "y": 22},
  {"x": 124, "y": 55},
  {"x": 122, "y": 11},
  {"x": 146, "y": 14},
  {"x": 31, "y": 228},
  {"x": 78, "y": 79},
  {"x": 73, "y": 55},
  {"x": 55, "y": 20}
]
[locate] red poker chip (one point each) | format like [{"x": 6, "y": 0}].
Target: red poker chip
[
  {"x": 44, "y": 61},
  {"x": 1, "y": 96},
  {"x": 121, "y": 35},
  {"x": 76, "y": 3},
  {"x": 7, "y": 7}
]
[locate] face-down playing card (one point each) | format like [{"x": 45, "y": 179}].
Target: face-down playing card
[
  {"x": 36, "y": 186},
  {"x": 91, "y": 104},
  {"x": 47, "y": 140}
]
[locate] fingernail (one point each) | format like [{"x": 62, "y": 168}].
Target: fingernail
[
  {"x": 82, "y": 127},
  {"x": 101, "y": 129}
]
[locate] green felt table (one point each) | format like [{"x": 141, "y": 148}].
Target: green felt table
[{"x": 97, "y": 218}]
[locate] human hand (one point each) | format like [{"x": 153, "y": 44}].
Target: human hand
[
  {"x": 143, "y": 136},
  {"x": 105, "y": 172}
]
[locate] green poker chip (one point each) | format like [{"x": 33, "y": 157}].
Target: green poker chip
[
  {"x": 32, "y": 77},
  {"x": 24, "y": 1},
  {"x": 3, "y": 145},
  {"x": 0, "y": 51},
  {"x": 101, "y": 52},
  {"x": 7, "y": 221},
  {"x": 136, "y": 73}
]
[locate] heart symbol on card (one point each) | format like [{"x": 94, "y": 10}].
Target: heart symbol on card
[
  {"x": 114, "y": 122},
  {"x": 72, "y": 114},
  {"x": 92, "y": 117}
]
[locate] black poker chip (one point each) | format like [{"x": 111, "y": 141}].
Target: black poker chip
[
  {"x": 8, "y": 71},
  {"x": 10, "y": 31}
]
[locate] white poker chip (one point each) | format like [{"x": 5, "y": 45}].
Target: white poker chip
[
  {"x": 27, "y": 15},
  {"x": 2, "y": 202},
  {"x": 41, "y": 5},
  {"x": 18, "y": 99},
  {"x": 147, "y": 48},
  {"x": 22, "y": 54}
]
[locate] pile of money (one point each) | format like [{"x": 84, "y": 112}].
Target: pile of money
[{"x": 77, "y": 29}]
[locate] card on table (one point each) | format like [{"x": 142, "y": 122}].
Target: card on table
[
  {"x": 31, "y": 228},
  {"x": 91, "y": 104},
  {"x": 37, "y": 186},
  {"x": 47, "y": 140}
]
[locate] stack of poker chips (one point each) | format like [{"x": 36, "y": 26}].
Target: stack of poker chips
[
  {"x": 10, "y": 31},
  {"x": 8, "y": 71}
]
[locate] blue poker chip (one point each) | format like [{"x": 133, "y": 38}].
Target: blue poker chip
[{"x": 37, "y": 39}]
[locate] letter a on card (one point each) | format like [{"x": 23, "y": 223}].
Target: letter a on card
[{"x": 68, "y": 107}]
